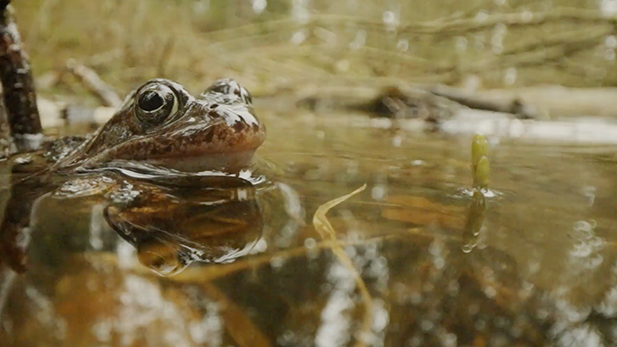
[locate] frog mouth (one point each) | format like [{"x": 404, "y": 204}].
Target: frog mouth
[{"x": 231, "y": 162}]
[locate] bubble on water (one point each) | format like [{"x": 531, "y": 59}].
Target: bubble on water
[
  {"x": 590, "y": 192},
  {"x": 608, "y": 306},
  {"x": 277, "y": 262},
  {"x": 381, "y": 317},
  {"x": 583, "y": 229},
  {"x": 439, "y": 263},
  {"x": 427, "y": 325},
  {"x": 581, "y": 250},
  {"x": 447, "y": 339},
  {"x": 379, "y": 192},
  {"x": 572, "y": 312},
  {"x": 467, "y": 248},
  {"x": 585, "y": 244},
  {"x": 490, "y": 292},
  {"x": 597, "y": 242},
  {"x": 594, "y": 261},
  {"x": 436, "y": 248},
  {"x": 389, "y": 19},
  {"x": 310, "y": 243}
]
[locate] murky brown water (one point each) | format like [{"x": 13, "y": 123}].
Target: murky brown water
[{"x": 541, "y": 272}]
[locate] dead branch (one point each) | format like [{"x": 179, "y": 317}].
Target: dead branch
[
  {"x": 477, "y": 101},
  {"x": 94, "y": 84},
  {"x": 18, "y": 84}
]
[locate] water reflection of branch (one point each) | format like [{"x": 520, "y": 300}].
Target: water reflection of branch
[
  {"x": 238, "y": 325},
  {"x": 207, "y": 273}
]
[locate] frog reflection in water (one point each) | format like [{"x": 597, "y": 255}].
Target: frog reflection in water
[{"x": 195, "y": 196}]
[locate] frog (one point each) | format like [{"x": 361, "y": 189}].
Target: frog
[{"x": 164, "y": 152}]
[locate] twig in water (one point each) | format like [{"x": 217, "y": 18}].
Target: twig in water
[{"x": 325, "y": 229}]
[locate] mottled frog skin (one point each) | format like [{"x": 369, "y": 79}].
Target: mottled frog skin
[
  {"x": 162, "y": 124},
  {"x": 196, "y": 153}
]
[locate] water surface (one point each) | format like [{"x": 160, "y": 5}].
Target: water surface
[{"x": 541, "y": 271}]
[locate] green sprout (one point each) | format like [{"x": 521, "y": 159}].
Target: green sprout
[
  {"x": 479, "y": 162},
  {"x": 475, "y": 220},
  {"x": 477, "y": 208}
]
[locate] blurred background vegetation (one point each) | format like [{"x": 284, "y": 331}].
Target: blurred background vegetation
[{"x": 274, "y": 46}]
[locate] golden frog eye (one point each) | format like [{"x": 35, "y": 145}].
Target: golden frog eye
[{"x": 155, "y": 103}]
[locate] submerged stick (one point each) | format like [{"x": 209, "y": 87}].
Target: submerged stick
[
  {"x": 325, "y": 229},
  {"x": 18, "y": 84}
]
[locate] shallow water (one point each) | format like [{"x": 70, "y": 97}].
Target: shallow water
[{"x": 542, "y": 270}]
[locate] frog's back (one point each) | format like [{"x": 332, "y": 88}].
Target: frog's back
[{"x": 52, "y": 150}]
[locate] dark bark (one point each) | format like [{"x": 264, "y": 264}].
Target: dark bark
[{"x": 18, "y": 85}]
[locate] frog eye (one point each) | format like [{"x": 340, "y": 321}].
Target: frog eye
[{"x": 155, "y": 103}]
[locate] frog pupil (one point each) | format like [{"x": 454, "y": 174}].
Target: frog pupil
[{"x": 151, "y": 101}]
